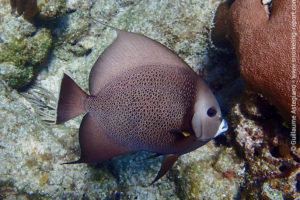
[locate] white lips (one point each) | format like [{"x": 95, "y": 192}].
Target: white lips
[{"x": 222, "y": 128}]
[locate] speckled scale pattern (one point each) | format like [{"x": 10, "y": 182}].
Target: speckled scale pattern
[{"x": 142, "y": 105}]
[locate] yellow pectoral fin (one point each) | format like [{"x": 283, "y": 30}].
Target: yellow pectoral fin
[
  {"x": 185, "y": 134},
  {"x": 182, "y": 133}
]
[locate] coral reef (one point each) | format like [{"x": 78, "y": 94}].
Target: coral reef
[
  {"x": 23, "y": 53},
  {"x": 254, "y": 161},
  {"x": 259, "y": 33},
  {"x": 51, "y": 9},
  {"x": 45, "y": 10},
  {"x": 265, "y": 40},
  {"x": 197, "y": 179},
  {"x": 272, "y": 165},
  {"x": 27, "y": 8},
  {"x": 21, "y": 58},
  {"x": 33, "y": 151}
]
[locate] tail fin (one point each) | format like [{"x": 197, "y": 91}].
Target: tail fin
[{"x": 70, "y": 103}]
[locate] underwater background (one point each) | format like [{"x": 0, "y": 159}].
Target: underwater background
[{"x": 253, "y": 160}]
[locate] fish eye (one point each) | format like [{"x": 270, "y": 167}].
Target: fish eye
[{"x": 211, "y": 112}]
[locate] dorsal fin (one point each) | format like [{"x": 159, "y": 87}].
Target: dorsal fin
[{"x": 128, "y": 51}]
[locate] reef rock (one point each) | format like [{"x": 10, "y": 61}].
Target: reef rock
[
  {"x": 21, "y": 59},
  {"x": 266, "y": 42},
  {"x": 45, "y": 10},
  {"x": 24, "y": 48},
  {"x": 272, "y": 161},
  {"x": 208, "y": 172}
]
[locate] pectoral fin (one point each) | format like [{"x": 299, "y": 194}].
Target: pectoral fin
[
  {"x": 167, "y": 164},
  {"x": 178, "y": 132}
]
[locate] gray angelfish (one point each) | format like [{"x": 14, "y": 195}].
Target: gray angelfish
[{"x": 143, "y": 97}]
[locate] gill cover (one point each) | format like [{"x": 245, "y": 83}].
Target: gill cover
[{"x": 207, "y": 121}]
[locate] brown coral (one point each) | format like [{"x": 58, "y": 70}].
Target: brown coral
[
  {"x": 28, "y": 8},
  {"x": 263, "y": 43}
]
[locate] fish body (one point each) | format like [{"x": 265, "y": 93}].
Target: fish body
[
  {"x": 146, "y": 103},
  {"x": 140, "y": 92}
]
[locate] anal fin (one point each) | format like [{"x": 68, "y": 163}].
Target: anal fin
[
  {"x": 167, "y": 164},
  {"x": 95, "y": 145}
]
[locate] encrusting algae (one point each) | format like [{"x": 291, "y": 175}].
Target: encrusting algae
[{"x": 24, "y": 57}]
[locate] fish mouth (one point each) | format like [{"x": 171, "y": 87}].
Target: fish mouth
[{"x": 222, "y": 128}]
